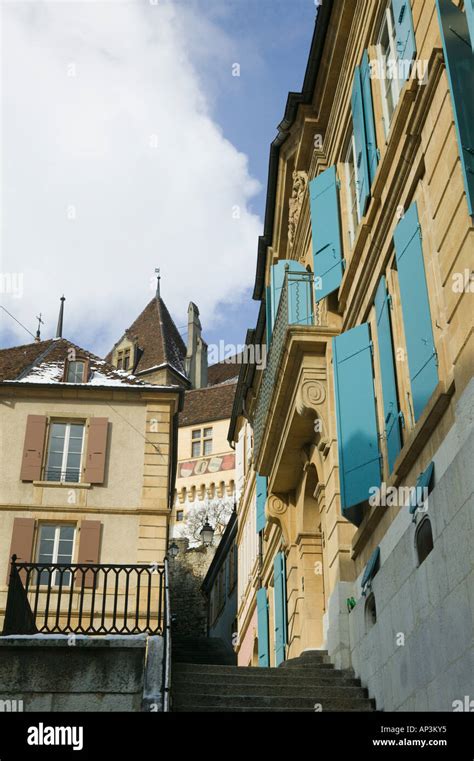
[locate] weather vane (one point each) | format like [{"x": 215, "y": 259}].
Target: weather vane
[{"x": 158, "y": 278}]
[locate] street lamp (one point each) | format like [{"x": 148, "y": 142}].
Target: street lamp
[
  {"x": 173, "y": 550},
  {"x": 207, "y": 534}
]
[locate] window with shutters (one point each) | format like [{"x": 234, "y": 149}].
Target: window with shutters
[
  {"x": 388, "y": 67},
  {"x": 351, "y": 191},
  {"x": 65, "y": 451},
  {"x": 55, "y": 545},
  {"x": 201, "y": 442}
]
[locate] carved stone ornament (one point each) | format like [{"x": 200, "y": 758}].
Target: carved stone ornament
[
  {"x": 300, "y": 183},
  {"x": 276, "y": 506},
  {"x": 311, "y": 394}
]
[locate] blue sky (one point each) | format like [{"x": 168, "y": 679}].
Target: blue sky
[{"x": 144, "y": 144}]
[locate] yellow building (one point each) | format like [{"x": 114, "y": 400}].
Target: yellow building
[
  {"x": 364, "y": 279},
  {"x": 86, "y": 460}
]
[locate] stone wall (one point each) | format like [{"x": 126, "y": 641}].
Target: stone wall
[
  {"x": 188, "y": 604},
  {"x": 419, "y": 654},
  {"x": 81, "y": 673}
]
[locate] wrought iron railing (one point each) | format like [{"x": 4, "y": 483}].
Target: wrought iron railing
[
  {"x": 84, "y": 598},
  {"x": 296, "y": 295}
]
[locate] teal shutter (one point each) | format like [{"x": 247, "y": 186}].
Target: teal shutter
[
  {"x": 387, "y": 372},
  {"x": 268, "y": 314},
  {"x": 404, "y": 32},
  {"x": 261, "y": 498},
  {"x": 300, "y": 298},
  {"x": 326, "y": 233},
  {"x": 372, "y": 152},
  {"x": 360, "y": 140},
  {"x": 423, "y": 481},
  {"x": 277, "y": 278},
  {"x": 469, "y": 6},
  {"x": 358, "y": 445},
  {"x": 370, "y": 570},
  {"x": 459, "y": 61},
  {"x": 262, "y": 625},
  {"x": 279, "y": 587},
  {"x": 422, "y": 358}
]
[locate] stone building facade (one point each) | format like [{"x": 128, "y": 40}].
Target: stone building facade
[{"x": 355, "y": 512}]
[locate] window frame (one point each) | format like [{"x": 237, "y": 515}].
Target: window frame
[
  {"x": 201, "y": 440},
  {"x": 54, "y": 557},
  {"x": 352, "y": 197},
  {"x": 85, "y": 369},
  {"x": 383, "y": 62},
  {"x": 65, "y": 453}
]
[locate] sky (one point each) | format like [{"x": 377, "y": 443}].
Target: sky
[{"x": 136, "y": 135}]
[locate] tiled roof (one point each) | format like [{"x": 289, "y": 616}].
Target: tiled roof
[
  {"x": 43, "y": 363},
  {"x": 224, "y": 371},
  {"x": 202, "y": 405},
  {"x": 159, "y": 341}
]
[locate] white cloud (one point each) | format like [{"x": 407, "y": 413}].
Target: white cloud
[{"x": 106, "y": 119}]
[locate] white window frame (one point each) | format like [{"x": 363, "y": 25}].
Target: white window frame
[
  {"x": 201, "y": 440},
  {"x": 354, "y": 219},
  {"x": 54, "y": 559},
  {"x": 67, "y": 436},
  {"x": 393, "y": 82}
]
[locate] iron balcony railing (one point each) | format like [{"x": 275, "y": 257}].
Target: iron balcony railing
[
  {"x": 296, "y": 307},
  {"x": 84, "y": 598}
]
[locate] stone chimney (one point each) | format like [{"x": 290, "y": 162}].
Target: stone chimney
[{"x": 196, "y": 354}]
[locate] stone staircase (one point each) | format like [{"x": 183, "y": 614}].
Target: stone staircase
[{"x": 203, "y": 679}]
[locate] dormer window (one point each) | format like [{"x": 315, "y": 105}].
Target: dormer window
[
  {"x": 75, "y": 371},
  {"x": 124, "y": 359}
]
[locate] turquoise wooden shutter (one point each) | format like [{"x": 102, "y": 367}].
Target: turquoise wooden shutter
[
  {"x": 279, "y": 588},
  {"x": 469, "y": 6},
  {"x": 262, "y": 625},
  {"x": 358, "y": 445},
  {"x": 277, "y": 278},
  {"x": 326, "y": 233},
  {"x": 268, "y": 314},
  {"x": 360, "y": 140},
  {"x": 422, "y": 357},
  {"x": 261, "y": 498},
  {"x": 405, "y": 33},
  {"x": 370, "y": 570},
  {"x": 387, "y": 372},
  {"x": 300, "y": 298},
  {"x": 372, "y": 151},
  {"x": 423, "y": 481},
  {"x": 459, "y": 61}
]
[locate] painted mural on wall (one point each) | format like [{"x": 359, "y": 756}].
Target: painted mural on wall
[{"x": 206, "y": 465}]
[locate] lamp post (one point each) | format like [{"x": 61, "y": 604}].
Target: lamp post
[
  {"x": 173, "y": 550},
  {"x": 207, "y": 534}
]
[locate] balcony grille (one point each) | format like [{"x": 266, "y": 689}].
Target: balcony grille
[{"x": 300, "y": 280}]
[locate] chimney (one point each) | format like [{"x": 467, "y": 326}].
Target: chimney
[
  {"x": 59, "y": 329},
  {"x": 196, "y": 354}
]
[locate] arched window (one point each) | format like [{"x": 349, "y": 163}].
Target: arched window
[
  {"x": 423, "y": 539},
  {"x": 370, "y": 612}
]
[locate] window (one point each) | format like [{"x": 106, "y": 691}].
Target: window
[
  {"x": 424, "y": 540},
  {"x": 75, "y": 371},
  {"x": 179, "y": 515},
  {"x": 201, "y": 442},
  {"x": 126, "y": 359},
  {"x": 370, "y": 612},
  {"x": 351, "y": 191},
  {"x": 388, "y": 66},
  {"x": 120, "y": 360},
  {"x": 55, "y": 545},
  {"x": 232, "y": 568},
  {"x": 65, "y": 452}
]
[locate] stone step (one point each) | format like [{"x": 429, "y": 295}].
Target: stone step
[
  {"x": 204, "y": 660},
  {"x": 307, "y": 659},
  {"x": 252, "y": 689},
  {"x": 265, "y": 709},
  {"x": 326, "y": 669},
  {"x": 279, "y": 680},
  {"x": 335, "y": 703}
]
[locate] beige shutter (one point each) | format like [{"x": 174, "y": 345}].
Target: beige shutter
[
  {"x": 89, "y": 550},
  {"x": 33, "y": 448},
  {"x": 23, "y": 535},
  {"x": 96, "y": 451}
]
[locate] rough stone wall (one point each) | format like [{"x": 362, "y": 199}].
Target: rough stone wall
[{"x": 188, "y": 604}]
